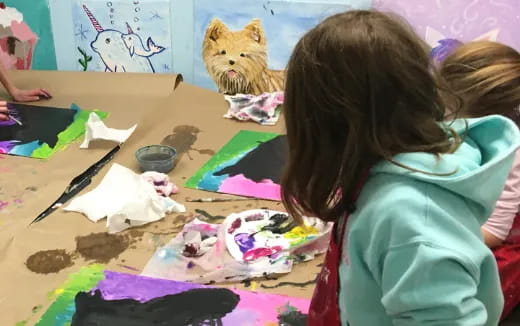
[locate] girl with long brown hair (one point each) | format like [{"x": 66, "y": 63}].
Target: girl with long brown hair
[
  {"x": 486, "y": 76},
  {"x": 370, "y": 151}
]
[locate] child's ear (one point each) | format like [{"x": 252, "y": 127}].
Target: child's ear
[
  {"x": 215, "y": 29},
  {"x": 492, "y": 35},
  {"x": 255, "y": 31}
]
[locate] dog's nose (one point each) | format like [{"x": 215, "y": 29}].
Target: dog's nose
[{"x": 231, "y": 62}]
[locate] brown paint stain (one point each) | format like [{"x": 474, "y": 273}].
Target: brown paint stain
[
  {"x": 135, "y": 233},
  {"x": 182, "y": 139},
  {"x": 206, "y": 152},
  {"x": 101, "y": 247},
  {"x": 49, "y": 261}
]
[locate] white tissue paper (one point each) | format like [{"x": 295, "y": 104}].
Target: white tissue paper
[
  {"x": 127, "y": 199},
  {"x": 96, "y": 129}
]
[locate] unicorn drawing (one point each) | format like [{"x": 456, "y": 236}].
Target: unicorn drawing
[
  {"x": 122, "y": 52},
  {"x": 442, "y": 46},
  {"x": 134, "y": 43}
]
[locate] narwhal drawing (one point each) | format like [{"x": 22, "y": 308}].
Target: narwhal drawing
[{"x": 122, "y": 52}]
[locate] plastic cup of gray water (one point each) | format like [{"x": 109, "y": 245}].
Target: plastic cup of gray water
[{"x": 158, "y": 158}]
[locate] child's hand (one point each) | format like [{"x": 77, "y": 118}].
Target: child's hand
[
  {"x": 29, "y": 95},
  {"x": 4, "y": 112}
]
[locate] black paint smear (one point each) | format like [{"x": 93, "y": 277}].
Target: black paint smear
[
  {"x": 39, "y": 123},
  {"x": 208, "y": 216},
  {"x": 196, "y": 307},
  {"x": 270, "y": 276},
  {"x": 292, "y": 318},
  {"x": 297, "y": 284},
  {"x": 266, "y": 162},
  {"x": 280, "y": 224}
]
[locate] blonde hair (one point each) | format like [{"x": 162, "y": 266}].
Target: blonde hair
[{"x": 486, "y": 76}]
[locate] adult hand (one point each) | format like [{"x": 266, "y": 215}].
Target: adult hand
[
  {"x": 29, "y": 95},
  {"x": 4, "y": 112}
]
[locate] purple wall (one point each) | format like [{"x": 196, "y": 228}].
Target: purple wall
[{"x": 460, "y": 19}]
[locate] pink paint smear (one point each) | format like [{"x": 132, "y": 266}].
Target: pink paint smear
[{"x": 242, "y": 186}]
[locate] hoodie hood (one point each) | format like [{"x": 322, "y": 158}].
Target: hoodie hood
[{"x": 477, "y": 170}]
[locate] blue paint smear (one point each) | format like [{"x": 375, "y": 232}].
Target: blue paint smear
[
  {"x": 25, "y": 149},
  {"x": 212, "y": 182}
]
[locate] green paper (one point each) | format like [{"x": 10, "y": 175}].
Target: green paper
[
  {"x": 84, "y": 280},
  {"x": 243, "y": 141},
  {"x": 67, "y": 136}
]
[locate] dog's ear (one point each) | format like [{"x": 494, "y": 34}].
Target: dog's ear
[
  {"x": 215, "y": 29},
  {"x": 492, "y": 36},
  {"x": 255, "y": 31}
]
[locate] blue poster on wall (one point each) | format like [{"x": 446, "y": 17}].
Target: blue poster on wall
[
  {"x": 244, "y": 46},
  {"x": 123, "y": 36}
]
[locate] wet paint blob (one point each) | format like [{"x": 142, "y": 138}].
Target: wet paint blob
[
  {"x": 204, "y": 306},
  {"x": 245, "y": 242},
  {"x": 292, "y": 317},
  {"x": 235, "y": 225},
  {"x": 256, "y": 253},
  {"x": 101, "y": 247},
  {"x": 49, "y": 261}
]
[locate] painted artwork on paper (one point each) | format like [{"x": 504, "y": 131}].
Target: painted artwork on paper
[
  {"x": 123, "y": 36},
  {"x": 93, "y": 296},
  {"x": 33, "y": 45},
  {"x": 444, "y": 24},
  {"x": 250, "y": 165},
  {"x": 44, "y": 130},
  {"x": 245, "y": 49},
  {"x": 17, "y": 40}
]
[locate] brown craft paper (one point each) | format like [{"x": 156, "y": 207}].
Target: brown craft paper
[{"x": 161, "y": 111}]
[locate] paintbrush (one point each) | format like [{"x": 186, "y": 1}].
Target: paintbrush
[
  {"x": 215, "y": 200},
  {"x": 16, "y": 120}
]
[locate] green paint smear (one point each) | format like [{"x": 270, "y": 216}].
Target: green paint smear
[
  {"x": 61, "y": 310},
  {"x": 243, "y": 141},
  {"x": 75, "y": 130}
]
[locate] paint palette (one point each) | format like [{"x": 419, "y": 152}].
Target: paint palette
[{"x": 266, "y": 234}]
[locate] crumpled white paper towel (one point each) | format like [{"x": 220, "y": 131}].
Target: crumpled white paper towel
[
  {"x": 127, "y": 199},
  {"x": 96, "y": 129}
]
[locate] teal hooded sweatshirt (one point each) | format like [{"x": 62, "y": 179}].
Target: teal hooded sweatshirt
[{"x": 413, "y": 253}]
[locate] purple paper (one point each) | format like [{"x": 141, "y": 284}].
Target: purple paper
[
  {"x": 118, "y": 286},
  {"x": 254, "y": 309}
]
